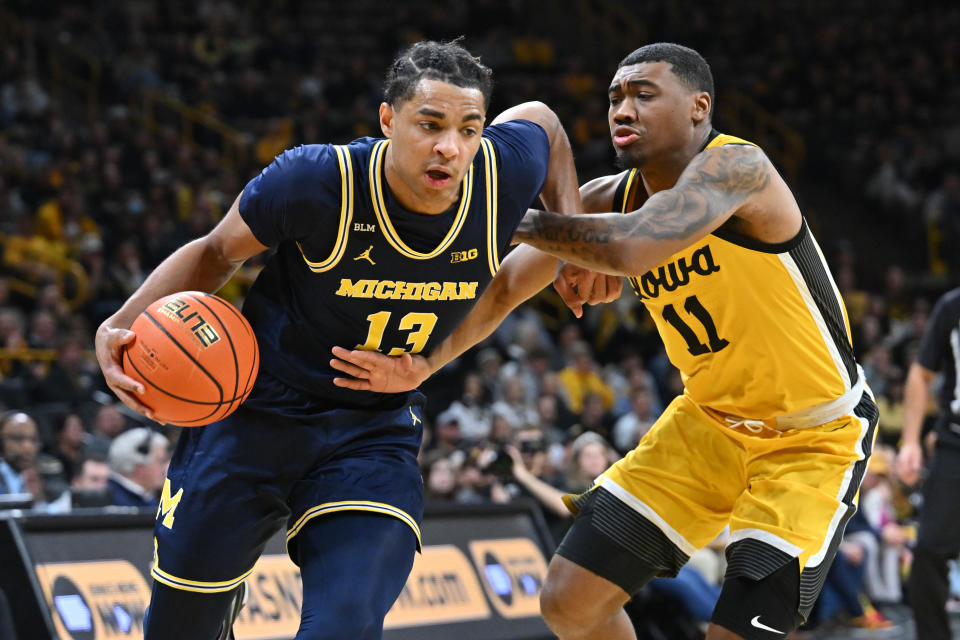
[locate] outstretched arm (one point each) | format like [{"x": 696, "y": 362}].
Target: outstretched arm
[
  {"x": 716, "y": 184},
  {"x": 204, "y": 264}
]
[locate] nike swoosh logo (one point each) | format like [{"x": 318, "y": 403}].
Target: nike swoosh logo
[{"x": 759, "y": 625}]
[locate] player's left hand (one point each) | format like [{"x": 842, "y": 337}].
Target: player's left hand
[
  {"x": 578, "y": 286},
  {"x": 373, "y": 371}
]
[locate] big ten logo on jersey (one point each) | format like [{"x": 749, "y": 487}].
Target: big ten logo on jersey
[
  {"x": 675, "y": 274},
  {"x": 274, "y": 600},
  {"x": 463, "y": 256},
  {"x": 364, "y": 226},
  {"x": 442, "y": 587},
  {"x": 179, "y": 309},
  {"x": 513, "y": 571},
  {"x": 95, "y": 600}
]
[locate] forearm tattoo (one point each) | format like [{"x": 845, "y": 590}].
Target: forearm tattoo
[{"x": 712, "y": 186}]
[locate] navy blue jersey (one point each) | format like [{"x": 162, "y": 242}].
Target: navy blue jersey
[{"x": 354, "y": 268}]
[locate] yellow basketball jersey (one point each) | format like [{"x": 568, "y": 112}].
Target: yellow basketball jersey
[{"x": 757, "y": 330}]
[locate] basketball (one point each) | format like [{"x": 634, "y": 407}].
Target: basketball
[{"x": 195, "y": 355}]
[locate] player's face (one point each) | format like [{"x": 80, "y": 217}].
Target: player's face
[
  {"x": 434, "y": 137},
  {"x": 650, "y": 112}
]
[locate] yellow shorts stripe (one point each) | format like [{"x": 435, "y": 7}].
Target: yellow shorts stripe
[
  {"x": 354, "y": 505},
  {"x": 192, "y": 585}
]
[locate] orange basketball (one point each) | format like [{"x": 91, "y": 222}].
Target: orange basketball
[{"x": 196, "y": 356}]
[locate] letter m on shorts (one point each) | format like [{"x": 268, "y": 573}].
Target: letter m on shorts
[{"x": 168, "y": 504}]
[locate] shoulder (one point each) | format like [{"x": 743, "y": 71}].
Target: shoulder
[
  {"x": 522, "y": 155},
  {"x": 359, "y": 146},
  {"x": 732, "y": 164},
  {"x": 948, "y": 304},
  {"x": 598, "y": 194},
  {"x": 733, "y": 152},
  {"x": 301, "y": 164},
  {"x": 520, "y": 136}
]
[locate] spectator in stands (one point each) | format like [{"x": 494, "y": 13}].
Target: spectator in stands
[
  {"x": 632, "y": 426},
  {"x": 88, "y": 487},
  {"x": 108, "y": 422},
  {"x": 590, "y": 455},
  {"x": 440, "y": 477},
  {"x": 447, "y": 434},
  {"x": 885, "y": 541},
  {"x": 580, "y": 376},
  {"x": 472, "y": 409},
  {"x": 514, "y": 402},
  {"x": 593, "y": 416},
  {"x": 19, "y": 446},
  {"x": 70, "y": 378},
  {"x": 138, "y": 464},
  {"x": 69, "y": 438},
  {"x": 843, "y": 599}
]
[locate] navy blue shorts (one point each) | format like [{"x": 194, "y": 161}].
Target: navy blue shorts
[{"x": 232, "y": 484}]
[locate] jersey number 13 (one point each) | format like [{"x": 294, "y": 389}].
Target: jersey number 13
[{"x": 420, "y": 326}]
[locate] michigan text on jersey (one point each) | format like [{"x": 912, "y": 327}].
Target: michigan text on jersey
[{"x": 399, "y": 290}]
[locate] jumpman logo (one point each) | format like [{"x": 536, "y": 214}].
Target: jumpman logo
[
  {"x": 414, "y": 416},
  {"x": 366, "y": 256}
]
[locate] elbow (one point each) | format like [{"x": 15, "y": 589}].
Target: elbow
[
  {"x": 502, "y": 298},
  {"x": 214, "y": 255},
  {"x": 544, "y": 116}
]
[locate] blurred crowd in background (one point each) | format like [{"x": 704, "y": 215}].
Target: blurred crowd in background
[{"x": 127, "y": 129}]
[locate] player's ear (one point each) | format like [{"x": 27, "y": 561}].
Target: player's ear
[
  {"x": 701, "y": 107},
  {"x": 386, "y": 119}
]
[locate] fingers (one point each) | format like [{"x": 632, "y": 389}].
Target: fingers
[
  {"x": 365, "y": 359},
  {"x": 349, "y": 368},
  {"x": 131, "y": 401},
  {"x": 569, "y": 295},
  {"x": 353, "y": 383},
  {"x": 597, "y": 292},
  {"x": 117, "y": 379},
  {"x": 614, "y": 287}
]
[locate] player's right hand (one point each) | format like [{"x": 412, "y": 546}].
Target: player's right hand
[
  {"x": 110, "y": 342},
  {"x": 909, "y": 463},
  {"x": 373, "y": 371}
]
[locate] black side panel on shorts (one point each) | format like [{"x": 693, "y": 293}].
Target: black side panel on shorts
[{"x": 754, "y": 559}]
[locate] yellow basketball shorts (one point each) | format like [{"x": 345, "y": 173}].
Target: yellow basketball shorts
[{"x": 785, "y": 494}]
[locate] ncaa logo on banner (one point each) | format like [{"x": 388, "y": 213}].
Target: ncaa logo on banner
[
  {"x": 95, "y": 600},
  {"x": 512, "y": 571}
]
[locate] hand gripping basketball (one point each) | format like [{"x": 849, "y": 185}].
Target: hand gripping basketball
[{"x": 196, "y": 357}]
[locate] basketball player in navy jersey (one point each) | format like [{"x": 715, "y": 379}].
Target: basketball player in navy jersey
[
  {"x": 384, "y": 244},
  {"x": 775, "y": 426}
]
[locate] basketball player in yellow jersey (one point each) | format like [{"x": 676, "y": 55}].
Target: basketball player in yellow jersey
[{"x": 773, "y": 431}]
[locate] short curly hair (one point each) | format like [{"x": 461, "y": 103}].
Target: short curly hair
[{"x": 445, "y": 61}]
